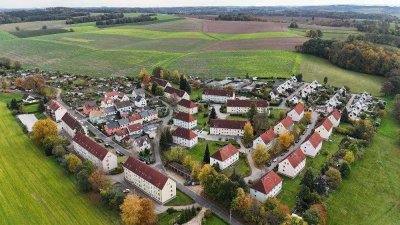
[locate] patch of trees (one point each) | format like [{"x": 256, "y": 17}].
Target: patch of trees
[
  {"x": 354, "y": 54},
  {"x": 313, "y": 33},
  {"x": 92, "y": 18},
  {"x": 124, "y": 20},
  {"x": 293, "y": 25},
  {"x": 384, "y": 39},
  {"x": 237, "y": 17},
  {"x": 7, "y": 63},
  {"x": 377, "y": 27},
  {"x": 58, "y": 13}
]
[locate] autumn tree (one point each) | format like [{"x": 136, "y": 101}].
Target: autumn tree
[
  {"x": 248, "y": 134},
  {"x": 260, "y": 155},
  {"x": 349, "y": 157},
  {"x": 131, "y": 210},
  {"x": 242, "y": 202},
  {"x": 396, "y": 107},
  {"x": 286, "y": 139},
  {"x": 147, "y": 215},
  {"x": 333, "y": 178},
  {"x": 36, "y": 83},
  {"x": 157, "y": 71},
  {"x": 308, "y": 116},
  {"x": 72, "y": 162},
  {"x": 98, "y": 181},
  {"x": 196, "y": 168},
  {"x": 187, "y": 161},
  {"x": 43, "y": 129},
  {"x": 176, "y": 76},
  {"x": 19, "y": 82},
  {"x": 5, "y": 84}
]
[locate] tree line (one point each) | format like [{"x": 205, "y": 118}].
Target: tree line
[
  {"x": 90, "y": 18},
  {"x": 123, "y": 20},
  {"x": 237, "y": 17},
  {"x": 59, "y": 13}
]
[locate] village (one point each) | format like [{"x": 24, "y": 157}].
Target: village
[{"x": 130, "y": 128}]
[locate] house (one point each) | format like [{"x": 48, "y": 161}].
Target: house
[
  {"x": 142, "y": 143},
  {"x": 149, "y": 180},
  {"x": 274, "y": 95},
  {"x": 266, "y": 139},
  {"x": 293, "y": 164},
  {"x": 106, "y": 102},
  {"x": 29, "y": 99},
  {"x": 92, "y": 151},
  {"x": 185, "y": 120},
  {"x": 135, "y": 129},
  {"x": 135, "y": 118},
  {"x": 187, "y": 106},
  {"x": 55, "y": 110},
  {"x": 314, "y": 84},
  {"x": 227, "y": 127},
  {"x": 325, "y": 129},
  {"x": 90, "y": 106},
  {"x": 312, "y": 145},
  {"x": 160, "y": 82},
  {"x": 185, "y": 137},
  {"x": 297, "y": 112},
  {"x": 97, "y": 116},
  {"x": 110, "y": 111},
  {"x": 284, "y": 126},
  {"x": 268, "y": 186},
  {"x": 225, "y": 157},
  {"x": 121, "y": 134},
  {"x": 217, "y": 95},
  {"x": 294, "y": 100},
  {"x": 173, "y": 93},
  {"x": 115, "y": 95},
  {"x": 111, "y": 128},
  {"x": 138, "y": 92},
  {"x": 123, "y": 107},
  {"x": 70, "y": 125},
  {"x": 140, "y": 101},
  {"x": 239, "y": 106},
  {"x": 149, "y": 115},
  {"x": 334, "y": 117},
  {"x": 123, "y": 123}
]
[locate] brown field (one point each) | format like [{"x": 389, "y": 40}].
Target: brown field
[
  {"x": 298, "y": 19},
  {"x": 37, "y": 25},
  {"x": 186, "y": 25},
  {"x": 240, "y": 27},
  {"x": 257, "y": 44},
  {"x": 314, "y": 26}
]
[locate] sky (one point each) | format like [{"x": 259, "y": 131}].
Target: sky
[{"x": 180, "y": 3}]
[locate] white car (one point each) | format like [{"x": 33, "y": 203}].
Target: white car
[
  {"x": 275, "y": 160},
  {"x": 126, "y": 190}
]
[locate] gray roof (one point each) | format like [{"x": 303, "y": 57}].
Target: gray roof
[
  {"x": 138, "y": 98},
  {"x": 139, "y": 91},
  {"x": 123, "y": 121},
  {"x": 144, "y": 114},
  {"x": 113, "y": 124},
  {"x": 110, "y": 110},
  {"x": 121, "y": 105},
  {"x": 152, "y": 111},
  {"x": 140, "y": 140}
]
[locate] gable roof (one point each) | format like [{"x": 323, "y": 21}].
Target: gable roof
[
  {"x": 267, "y": 182},
  {"x": 287, "y": 122},
  {"x": 135, "y": 127},
  {"x": 184, "y": 133},
  {"x": 228, "y": 124},
  {"x": 146, "y": 172},
  {"x": 171, "y": 90},
  {"x": 70, "y": 121},
  {"x": 299, "y": 108},
  {"x": 185, "y": 117},
  {"x": 225, "y": 152},
  {"x": 123, "y": 104},
  {"x": 90, "y": 104},
  {"x": 112, "y": 125},
  {"x": 268, "y": 136},
  {"x": 90, "y": 145},
  {"x": 134, "y": 117},
  {"x": 159, "y": 81},
  {"x": 327, "y": 124},
  {"x": 140, "y": 140},
  {"x": 336, "y": 114},
  {"x": 187, "y": 104},
  {"x": 122, "y": 132},
  {"x": 247, "y": 103},
  {"x": 218, "y": 92},
  {"x": 296, "y": 157},
  {"x": 53, "y": 104},
  {"x": 315, "y": 139}
]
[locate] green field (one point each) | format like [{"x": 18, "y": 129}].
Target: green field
[
  {"x": 197, "y": 152},
  {"x": 180, "y": 199},
  {"x": 32, "y": 108},
  {"x": 215, "y": 220},
  {"x": 35, "y": 189}
]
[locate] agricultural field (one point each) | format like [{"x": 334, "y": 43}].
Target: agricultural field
[{"x": 36, "y": 183}]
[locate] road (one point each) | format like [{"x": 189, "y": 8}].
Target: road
[
  {"x": 283, "y": 103},
  {"x": 350, "y": 101}
]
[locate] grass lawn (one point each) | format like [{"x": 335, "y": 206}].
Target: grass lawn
[
  {"x": 197, "y": 152},
  {"x": 371, "y": 194},
  {"x": 237, "y": 117},
  {"x": 181, "y": 199},
  {"x": 292, "y": 186},
  {"x": 202, "y": 120},
  {"x": 40, "y": 116},
  {"x": 167, "y": 219},
  {"x": 37, "y": 190},
  {"x": 241, "y": 168},
  {"x": 215, "y": 220},
  {"x": 196, "y": 94},
  {"x": 31, "y": 108}
]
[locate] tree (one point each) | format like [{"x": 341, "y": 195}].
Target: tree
[
  {"x": 154, "y": 88},
  {"x": 292, "y": 220},
  {"x": 58, "y": 151},
  {"x": 131, "y": 210},
  {"x": 72, "y": 162},
  {"x": 44, "y": 129},
  {"x": 260, "y": 155},
  {"x": 308, "y": 179},
  {"x": 13, "y": 104},
  {"x": 147, "y": 215},
  {"x": 157, "y": 71},
  {"x": 363, "y": 129},
  {"x": 248, "y": 134},
  {"x": 98, "y": 181},
  {"x": 242, "y": 203},
  {"x": 345, "y": 116},
  {"x": 196, "y": 168},
  {"x": 17, "y": 28},
  {"x": 206, "y": 157},
  {"x": 320, "y": 185},
  {"x": 205, "y": 173},
  {"x": 286, "y": 139},
  {"x": 345, "y": 169},
  {"x": 159, "y": 91},
  {"x": 325, "y": 80},
  {"x": 349, "y": 157},
  {"x": 143, "y": 72},
  {"x": 333, "y": 178},
  {"x": 252, "y": 112},
  {"x": 187, "y": 161},
  {"x": 36, "y": 83},
  {"x": 308, "y": 116},
  {"x": 5, "y": 84},
  {"x": 312, "y": 217},
  {"x": 213, "y": 115},
  {"x": 146, "y": 79},
  {"x": 44, "y": 27},
  {"x": 396, "y": 107},
  {"x": 176, "y": 76}
]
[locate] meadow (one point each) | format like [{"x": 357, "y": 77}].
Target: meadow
[{"x": 37, "y": 190}]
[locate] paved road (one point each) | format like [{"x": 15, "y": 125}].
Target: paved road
[
  {"x": 283, "y": 103},
  {"x": 350, "y": 101}
]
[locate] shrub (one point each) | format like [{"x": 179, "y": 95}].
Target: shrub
[{"x": 171, "y": 210}]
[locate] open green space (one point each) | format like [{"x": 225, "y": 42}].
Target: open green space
[
  {"x": 32, "y": 108},
  {"x": 37, "y": 190},
  {"x": 167, "y": 219},
  {"x": 241, "y": 168},
  {"x": 197, "y": 152},
  {"x": 371, "y": 194},
  {"x": 328, "y": 34},
  {"x": 215, "y": 220},
  {"x": 180, "y": 199}
]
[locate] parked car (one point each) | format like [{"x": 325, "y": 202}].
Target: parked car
[
  {"x": 119, "y": 153},
  {"x": 126, "y": 190}
]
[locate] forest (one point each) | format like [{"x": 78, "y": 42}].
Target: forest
[
  {"x": 40, "y": 15},
  {"x": 85, "y": 19},
  {"x": 123, "y": 20}
]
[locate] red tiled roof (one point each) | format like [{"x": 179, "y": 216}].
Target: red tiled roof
[
  {"x": 299, "y": 108},
  {"x": 172, "y": 91},
  {"x": 122, "y": 132},
  {"x": 267, "y": 182},
  {"x": 327, "y": 124},
  {"x": 53, "y": 104},
  {"x": 146, "y": 172},
  {"x": 218, "y": 92},
  {"x": 296, "y": 158},
  {"x": 287, "y": 122},
  {"x": 336, "y": 114},
  {"x": 134, "y": 117},
  {"x": 185, "y": 117},
  {"x": 187, "y": 104},
  {"x": 315, "y": 139},
  {"x": 268, "y": 136},
  {"x": 228, "y": 124},
  {"x": 159, "y": 81},
  {"x": 135, "y": 127},
  {"x": 246, "y": 103},
  {"x": 90, "y": 145},
  {"x": 90, "y": 105},
  {"x": 184, "y": 133},
  {"x": 70, "y": 121},
  {"x": 225, "y": 152}
]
